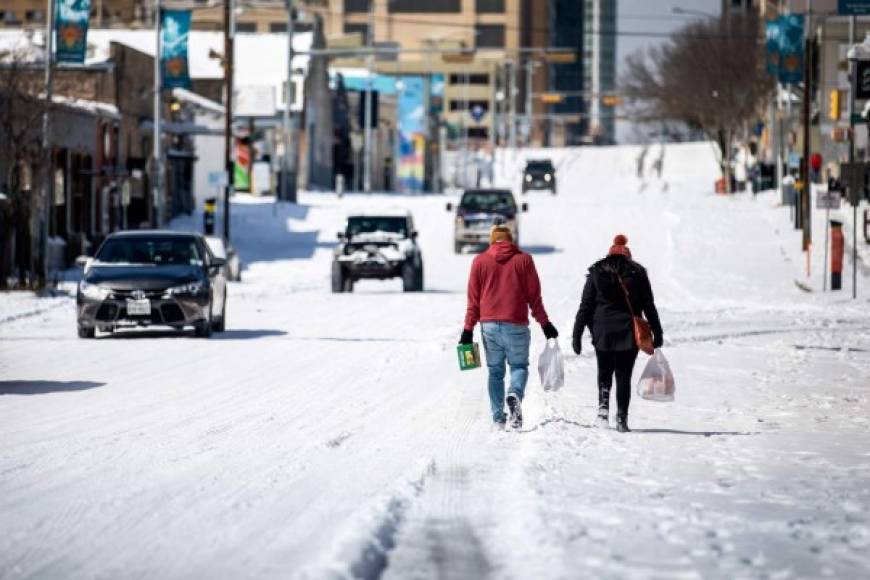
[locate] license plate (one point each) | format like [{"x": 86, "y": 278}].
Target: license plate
[{"x": 139, "y": 307}]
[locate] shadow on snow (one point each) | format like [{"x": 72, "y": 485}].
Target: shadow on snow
[{"x": 44, "y": 387}]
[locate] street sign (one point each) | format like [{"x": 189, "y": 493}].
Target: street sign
[
  {"x": 853, "y": 7},
  {"x": 217, "y": 178},
  {"x": 854, "y": 175},
  {"x": 828, "y": 199},
  {"x": 477, "y": 112},
  {"x": 126, "y": 193}
]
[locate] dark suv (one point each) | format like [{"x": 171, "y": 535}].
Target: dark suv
[
  {"x": 145, "y": 278},
  {"x": 479, "y": 210},
  {"x": 539, "y": 174}
]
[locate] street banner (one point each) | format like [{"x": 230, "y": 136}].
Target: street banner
[
  {"x": 411, "y": 144},
  {"x": 791, "y": 48},
  {"x": 173, "y": 57},
  {"x": 771, "y": 45},
  {"x": 72, "y": 30},
  {"x": 853, "y": 7},
  {"x": 242, "y": 166}
]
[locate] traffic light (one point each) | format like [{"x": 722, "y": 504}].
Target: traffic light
[
  {"x": 834, "y": 108},
  {"x": 611, "y": 100}
]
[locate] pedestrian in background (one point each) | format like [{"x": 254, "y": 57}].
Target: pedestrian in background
[
  {"x": 502, "y": 286},
  {"x": 615, "y": 287}
]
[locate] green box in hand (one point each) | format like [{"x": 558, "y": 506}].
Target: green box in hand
[{"x": 469, "y": 356}]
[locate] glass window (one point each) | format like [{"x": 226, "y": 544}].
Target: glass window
[
  {"x": 368, "y": 225},
  {"x": 425, "y": 6},
  {"x": 356, "y": 6},
  {"x": 490, "y": 35},
  {"x": 246, "y": 27},
  {"x": 487, "y": 200},
  {"x": 162, "y": 251},
  {"x": 489, "y": 6},
  {"x": 363, "y": 29},
  {"x": 472, "y": 79},
  {"x": 277, "y": 27}
]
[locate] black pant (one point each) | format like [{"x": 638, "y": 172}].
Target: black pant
[{"x": 620, "y": 362}]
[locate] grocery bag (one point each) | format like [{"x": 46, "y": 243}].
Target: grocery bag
[
  {"x": 550, "y": 366},
  {"x": 469, "y": 356},
  {"x": 657, "y": 381}
]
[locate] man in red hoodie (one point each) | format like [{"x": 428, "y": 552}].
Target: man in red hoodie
[{"x": 502, "y": 287}]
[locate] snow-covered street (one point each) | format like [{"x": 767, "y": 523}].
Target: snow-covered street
[{"x": 332, "y": 435}]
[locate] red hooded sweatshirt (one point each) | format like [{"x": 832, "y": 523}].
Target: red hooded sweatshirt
[{"x": 502, "y": 286}]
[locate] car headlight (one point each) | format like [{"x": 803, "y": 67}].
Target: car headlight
[
  {"x": 528, "y": 177},
  {"x": 94, "y": 291},
  {"x": 190, "y": 289},
  {"x": 547, "y": 178}
]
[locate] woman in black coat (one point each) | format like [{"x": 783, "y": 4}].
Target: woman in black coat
[{"x": 604, "y": 309}]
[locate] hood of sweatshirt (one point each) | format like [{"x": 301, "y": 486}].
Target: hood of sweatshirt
[{"x": 503, "y": 251}]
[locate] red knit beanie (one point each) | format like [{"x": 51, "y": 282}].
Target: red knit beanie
[{"x": 619, "y": 247}]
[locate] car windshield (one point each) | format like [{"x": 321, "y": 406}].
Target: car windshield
[
  {"x": 368, "y": 225},
  {"x": 495, "y": 201},
  {"x": 158, "y": 251},
  {"x": 539, "y": 166}
]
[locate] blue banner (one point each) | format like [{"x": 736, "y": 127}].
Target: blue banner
[
  {"x": 791, "y": 48},
  {"x": 173, "y": 58},
  {"x": 771, "y": 46},
  {"x": 71, "y": 25},
  {"x": 853, "y": 7}
]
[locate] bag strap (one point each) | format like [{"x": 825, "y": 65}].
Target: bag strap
[{"x": 625, "y": 293}]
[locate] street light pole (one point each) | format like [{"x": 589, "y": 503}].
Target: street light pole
[
  {"x": 48, "y": 186},
  {"x": 229, "y": 33},
  {"x": 289, "y": 133},
  {"x": 367, "y": 103},
  {"x": 157, "y": 202}
]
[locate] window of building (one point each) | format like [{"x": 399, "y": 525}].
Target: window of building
[
  {"x": 356, "y": 6},
  {"x": 490, "y": 35},
  {"x": 35, "y": 16},
  {"x": 472, "y": 79},
  {"x": 246, "y": 27},
  {"x": 478, "y": 133},
  {"x": 489, "y": 6},
  {"x": 277, "y": 27},
  {"x": 427, "y": 6},
  {"x": 459, "y": 105},
  {"x": 362, "y": 29}
]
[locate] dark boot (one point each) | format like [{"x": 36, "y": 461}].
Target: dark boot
[
  {"x": 622, "y": 423},
  {"x": 602, "y": 419}
]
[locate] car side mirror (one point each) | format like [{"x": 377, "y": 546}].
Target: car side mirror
[
  {"x": 340, "y": 236},
  {"x": 449, "y": 206},
  {"x": 413, "y": 235},
  {"x": 524, "y": 207},
  {"x": 83, "y": 262},
  {"x": 216, "y": 265}
]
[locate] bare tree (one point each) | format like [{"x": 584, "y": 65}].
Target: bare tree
[
  {"x": 709, "y": 75},
  {"x": 21, "y": 111}
]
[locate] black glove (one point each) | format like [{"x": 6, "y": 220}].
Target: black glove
[
  {"x": 467, "y": 337},
  {"x": 575, "y": 344},
  {"x": 550, "y": 331},
  {"x": 658, "y": 341}
]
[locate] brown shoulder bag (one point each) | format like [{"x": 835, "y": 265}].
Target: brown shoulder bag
[{"x": 642, "y": 330}]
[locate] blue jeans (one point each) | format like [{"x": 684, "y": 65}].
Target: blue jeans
[{"x": 505, "y": 341}]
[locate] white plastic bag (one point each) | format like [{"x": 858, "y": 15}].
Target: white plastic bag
[
  {"x": 657, "y": 381},
  {"x": 550, "y": 366}
]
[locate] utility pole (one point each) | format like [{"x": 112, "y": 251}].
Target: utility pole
[
  {"x": 530, "y": 64},
  {"x": 852, "y": 86},
  {"x": 289, "y": 126},
  {"x": 804, "y": 211},
  {"x": 367, "y": 103},
  {"x": 157, "y": 202},
  {"x": 229, "y": 33},
  {"x": 512, "y": 105},
  {"x": 48, "y": 185}
]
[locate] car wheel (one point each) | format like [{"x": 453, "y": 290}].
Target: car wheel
[
  {"x": 221, "y": 324},
  {"x": 409, "y": 277},
  {"x": 87, "y": 332},
  {"x": 348, "y": 284},
  {"x": 337, "y": 277},
  {"x": 419, "y": 278},
  {"x": 202, "y": 328}
]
